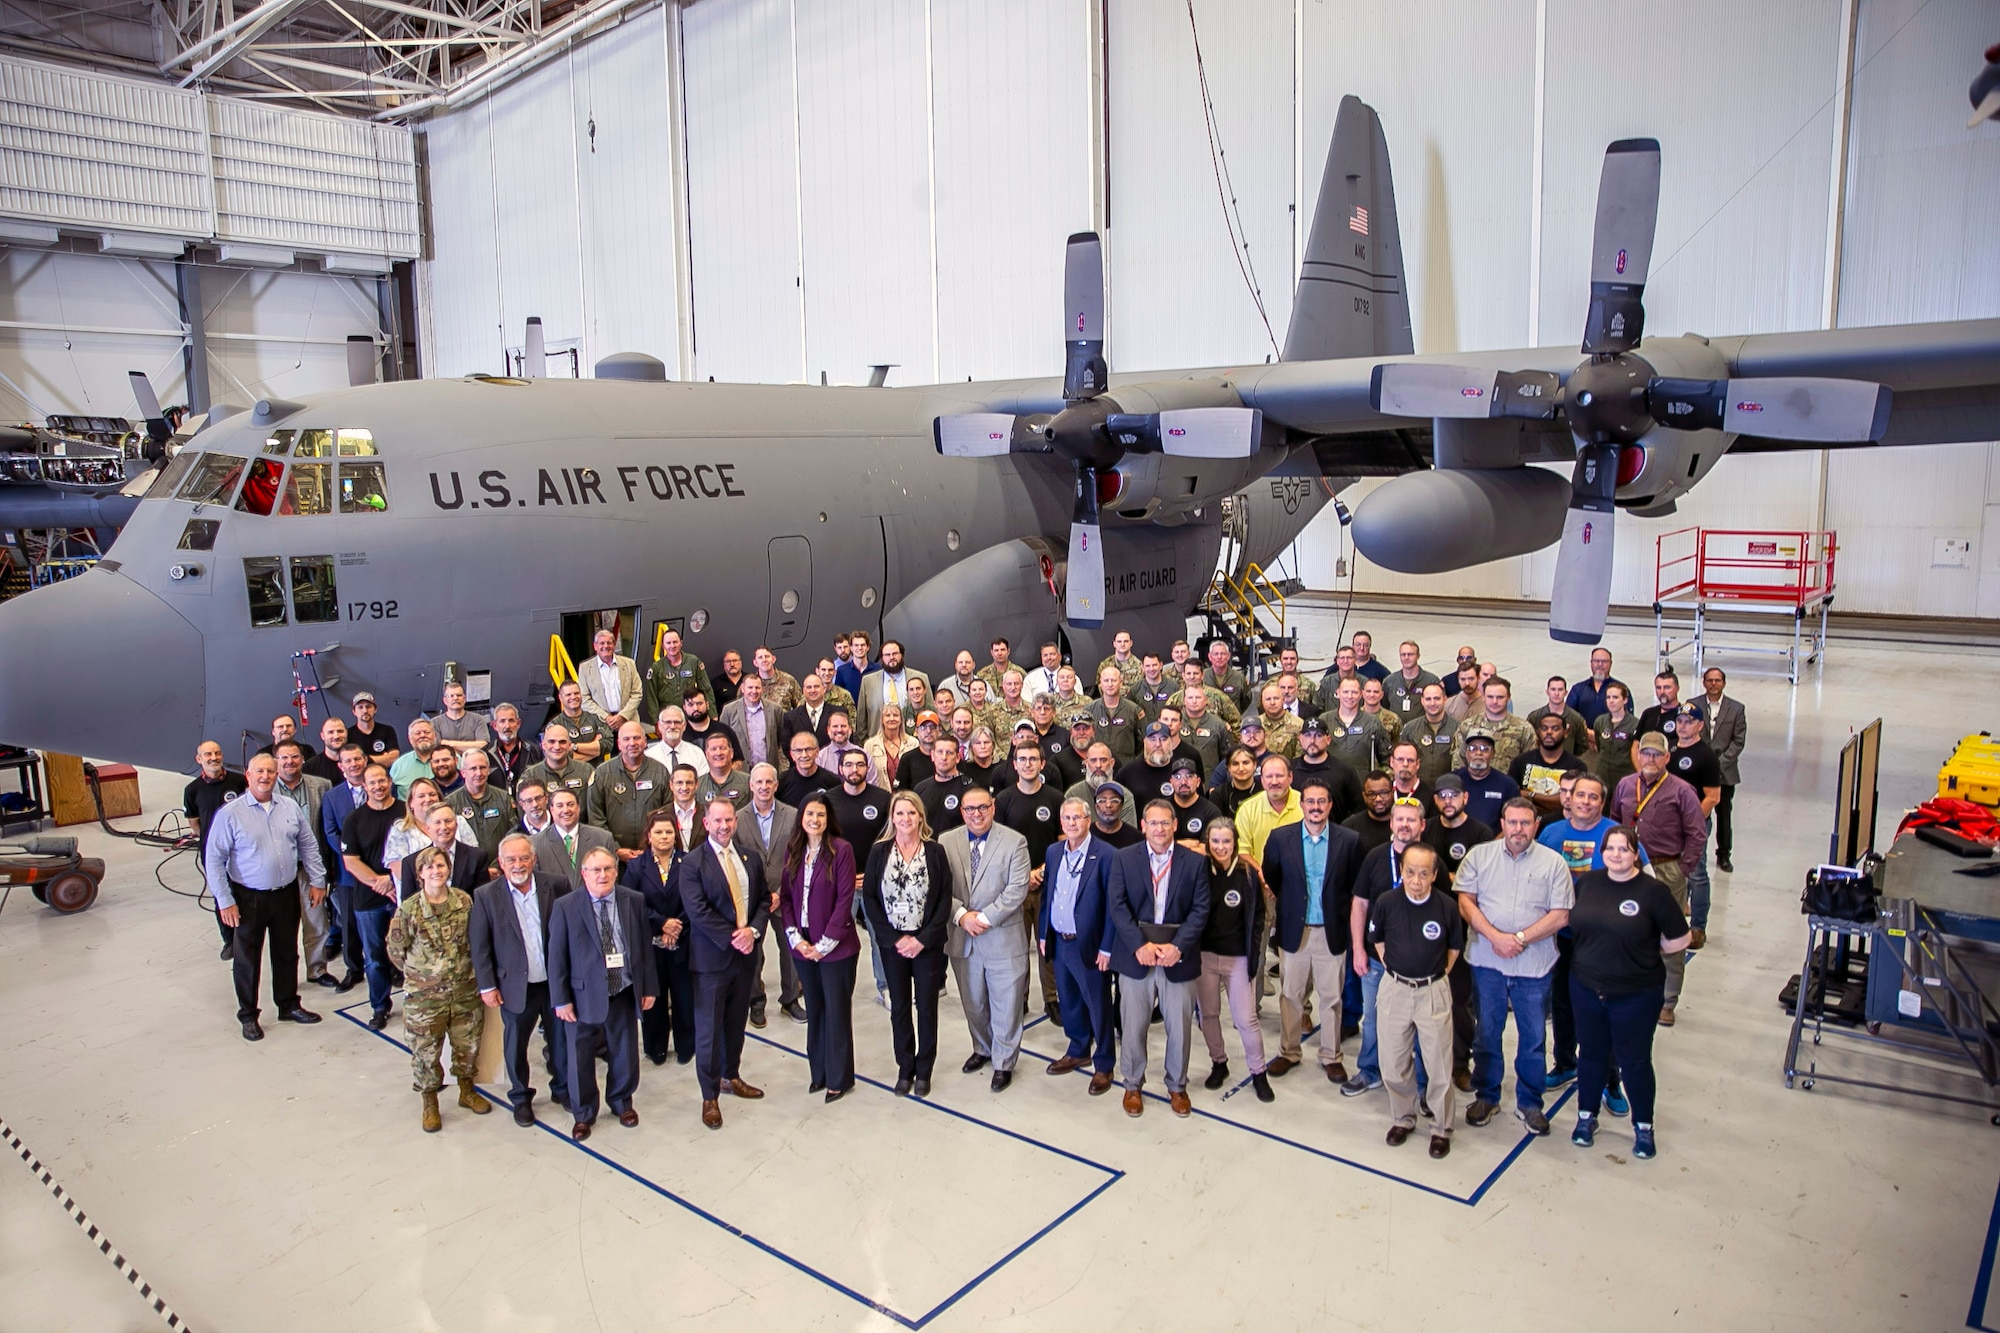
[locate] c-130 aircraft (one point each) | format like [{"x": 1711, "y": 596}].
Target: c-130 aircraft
[{"x": 437, "y": 521}]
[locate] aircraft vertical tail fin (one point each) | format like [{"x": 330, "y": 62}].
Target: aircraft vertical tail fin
[{"x": 1351, "y": 299}]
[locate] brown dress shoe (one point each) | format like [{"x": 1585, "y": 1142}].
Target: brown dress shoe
[
  {"x": 1066, "y": 1064},
  {"x": 1667, "y": 1017},
  {"x": 432, "y": 1122},
  {"x": 743, "y": 1090},
  {"x": 1462, "y": 1080},
  {"x": 629, "y": 1118},
  {"x": 1100, "y": 1083},
  {"x": 1178, "y": 1102},
  {"x": 1135, "y": 1102},
  {"x": 1440, "y": 1145},
  {"x": 1279, "y": 1067},
  {"x": 1335, "y": 1072},
  {"x": 711, "y": 1114},
  {"x": 580, "y": 1130},
  {"x": 1398, "y": 1135}
]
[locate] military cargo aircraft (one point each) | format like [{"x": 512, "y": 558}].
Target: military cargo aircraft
[{"x": 395, "y": 528}]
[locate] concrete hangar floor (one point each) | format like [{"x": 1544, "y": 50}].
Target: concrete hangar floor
[{"x": 287, "y": 1185}]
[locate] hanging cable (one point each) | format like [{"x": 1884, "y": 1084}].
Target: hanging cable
[{"x": 1225, "y": 189}]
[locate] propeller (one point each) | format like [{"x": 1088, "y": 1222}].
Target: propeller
[
  {"x": 1613, "y": 400},
  {"x": 158, "y": 432},
  {"x": 1091, "y": 430}
]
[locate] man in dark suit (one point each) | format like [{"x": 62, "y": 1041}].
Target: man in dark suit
[
  {"x": 1074, "y": 929},
  {"x": 727, "y": 905},
  {"x": 1159, "y": 903},
  {"x": 810, "y": 715},
  {"x": 1309, "y": 867},
  {"x": 561, "y": 847},
  {"x": 468, "y": 864},
  {"x": 509, "y": 935},
  {"x": 341, "y": 800},
  {"x": 599, "y": 982}
]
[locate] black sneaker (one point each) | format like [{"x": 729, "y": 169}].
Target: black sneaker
[
  {"x": 378, "y": 1020},
  {"x": 1263, "y": 1087},
  {"x": 1218, "y": 1075}
]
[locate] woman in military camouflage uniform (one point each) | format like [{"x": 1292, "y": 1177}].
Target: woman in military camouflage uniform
[{"x": 428, "y": 941}]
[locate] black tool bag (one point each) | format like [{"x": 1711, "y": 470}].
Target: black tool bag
[{"x": 1844, "y": 898}]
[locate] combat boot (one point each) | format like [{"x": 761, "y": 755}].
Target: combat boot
[
  {"x": 470, "y": 1099},
  {"x": 432, "y": 1121}
]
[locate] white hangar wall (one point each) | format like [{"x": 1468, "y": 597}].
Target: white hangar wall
[{"x": 858, "y": 181}]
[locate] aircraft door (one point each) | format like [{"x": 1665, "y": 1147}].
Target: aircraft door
[{"x": 790, "y": 610}]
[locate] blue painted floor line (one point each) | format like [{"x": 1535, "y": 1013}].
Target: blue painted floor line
[{"x": 1112, "y": 1176}]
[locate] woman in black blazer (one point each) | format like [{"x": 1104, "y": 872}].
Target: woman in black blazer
[
  {"x": 669, "y": 1024},
  {"x": 906, "y": 893}
]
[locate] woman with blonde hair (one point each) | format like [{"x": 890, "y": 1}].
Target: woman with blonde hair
[
  {"x": 886, "y": 748},
  {"x": 906, "y": 892}
]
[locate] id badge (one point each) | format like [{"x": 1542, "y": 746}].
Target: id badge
[{"x": 614, "y": 960}]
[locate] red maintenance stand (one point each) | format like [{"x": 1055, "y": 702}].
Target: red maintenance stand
[{"x": 1770, "y": 573}]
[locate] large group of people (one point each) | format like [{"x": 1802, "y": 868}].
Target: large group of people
[{"x": 1123, "y": 848}]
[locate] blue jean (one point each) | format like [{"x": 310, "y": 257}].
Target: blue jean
[
  {"x": 1529, "y": 999},
  {"x": 1698, "y": 890},
  {"x": 371, "y": 923}
]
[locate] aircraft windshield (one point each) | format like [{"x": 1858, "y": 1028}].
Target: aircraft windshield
[
  {"x": 171, "y": 476},
  {"x": 213, "y": 479}
]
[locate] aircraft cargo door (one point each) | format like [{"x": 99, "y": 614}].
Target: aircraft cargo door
[{"x": 791, "y": 593}]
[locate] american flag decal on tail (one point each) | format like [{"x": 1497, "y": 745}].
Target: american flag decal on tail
[{"x": 1358, "y": 223}]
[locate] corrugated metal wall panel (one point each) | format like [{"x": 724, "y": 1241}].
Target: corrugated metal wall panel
[
  {"x": 1178, "y": 296},
  {"x": 743, "y": 191},
  {"x": 317, "y": 182},
  {"x": 58, "y": 369},
  {"x": 625, "y": 183},
  {"x": 319, "y": 310},
  {"x": 460, "y": 282},
  {"x": 1011, "y": 117},
  {"x": 865, "y": 188},
  {"x": 535, "y": 205},
  {"x": 83, "y": 150}
]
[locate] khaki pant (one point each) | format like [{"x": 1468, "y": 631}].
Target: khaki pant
[
  {"x": 1031, "y": 910},
  {"x": 1670, "y": 874},
  {"x": 313, "y": 928},
  {"x": 1326, "y": 972},
  {"x": 1407, "y": 1017}
]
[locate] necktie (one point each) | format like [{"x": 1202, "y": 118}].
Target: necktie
[
  {"x": 889, "y": 684},
  {"x": 978, "y": 844},
  {"x": 569, "y": 849},
  {"x": 736, "y": 893},
  {"x": 614, "y": 977}
]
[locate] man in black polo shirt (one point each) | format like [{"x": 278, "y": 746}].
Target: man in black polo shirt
[
  {"x": 862, "y": 812},
  {"x": 1451, "y": 835},
  {"x": 379, "y": 741},
  {"x": 1694, "y": 762},
  {"x": 1417, "y": 935},
  {"x": 805, "y": 775},
  {"x": 1150, "y": 776},
  {"x": 1193, "y": 812},
  {"x": 212, "y": 786},
  {"x": 1372, "y": 821},
  {"x": 1032, "y": 806},
  {"x": 1316, "y": 760},
  {"x": 942, "y": 791}
]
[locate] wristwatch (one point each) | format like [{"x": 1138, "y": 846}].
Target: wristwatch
[{"x": 1521, "y": 939}]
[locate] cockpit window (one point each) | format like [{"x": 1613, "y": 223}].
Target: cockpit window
[
  {"x": 213, "y": 481},
  {"x": 363, "y": 488},
  {"x": 309, "y": 490},
  {"x": 315, "y": 600},
  {"x": 260, "y": 492},
  {"x": 171, "y": 476},
  {"x": 264, "y": 577},
  {"x": 314, "y": 444},
  {"x": 199, "y": 535},
  {"x": 355, "y": 443},
  {"x": 280, "y": 442}
]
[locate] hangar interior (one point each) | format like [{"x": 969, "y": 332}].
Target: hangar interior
[{"x": 227, "y": 196}]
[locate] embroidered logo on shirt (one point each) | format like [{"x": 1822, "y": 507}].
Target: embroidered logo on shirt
[
  {"x": 1433, "y": 931},
  {"x": 1233, "y": 898},
  {"x": 1628, "y": 908}
]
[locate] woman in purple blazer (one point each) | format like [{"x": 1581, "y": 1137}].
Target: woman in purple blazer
[{"x": 816, "y": 905}]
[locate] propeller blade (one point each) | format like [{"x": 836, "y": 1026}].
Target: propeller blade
[
  {"x": 1828, "y": 411},
  {"x": 1628, "y": 207},
  {"x": 360, "y": 359},
  {"x": 157, "y": 430},
  {"x": 1084, "y": 372},
  {"x": 534, "y": 357},
  {"x": 1189, "y": 432},
  {"x": 1084, "y": 600},
  {"x": 1582, "y": 594},
  {"x": 1417, "y": 389},
  {"x": 974, "y": 434}
]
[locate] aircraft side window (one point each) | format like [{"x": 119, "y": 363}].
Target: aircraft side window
[
  {"x": 199, "y": 535},
  {"x": 260, "y": 492},
  {"x": 355, "y": 443},
  {"x": 264, "y": 576},
  {"x": 315, "y": 599},
  {"x": 309, "y": 490},
  {"x": 314, "y": 444},
  {"x": 213, "y": 481},
  {"x": 363, "y": 488},
  {"x": 280, "y": 442},
  {"x": 171, "y": 476}
]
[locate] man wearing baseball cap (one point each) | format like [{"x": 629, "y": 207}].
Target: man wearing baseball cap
[
  {"x": 1150, "y": 776},
  {"x": 916, "y": 766},
  {"x": 1193, "y": 812},
  {"x": 1694, "y": 762},
  {"x": 1668, "y": 814},
  {"x": 1486, "y": 788}
]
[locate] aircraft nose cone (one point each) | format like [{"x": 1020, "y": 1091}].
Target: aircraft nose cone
[{"x": 98, "y": 666}]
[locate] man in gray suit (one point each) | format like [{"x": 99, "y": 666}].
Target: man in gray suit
[
  {"x": 559, "y": 848},
  {"x": 763, "y": 831},
  {"x": 509, "y": 933},
  {"x": 306, "y": 791},
  {"x": 755, "y": 720},
  {"x": 1728, "y": 729},
  {"x": 891, "y": 682},
  {"x": 989, "y": 939}
]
